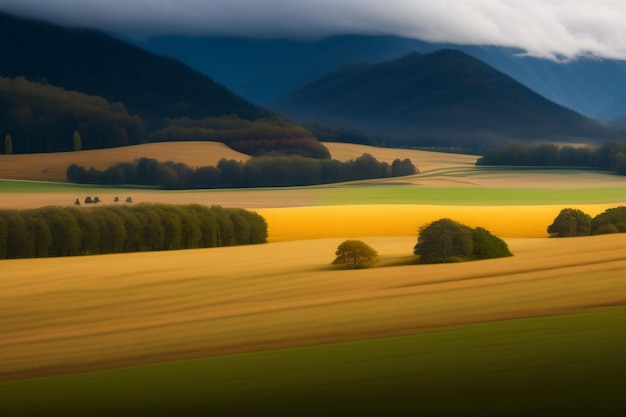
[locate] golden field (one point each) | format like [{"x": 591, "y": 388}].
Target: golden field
[
  {"x": 72, "y": 314},
  {"x": 63, "y": 315}
]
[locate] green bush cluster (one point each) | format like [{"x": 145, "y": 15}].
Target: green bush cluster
[
  {"x": 573, "y": 222},
  {"x": 442, "y": 241},
  {"x": 68, "y": 231},
  {"x": 267, "y": 171},
  {"x": 446, "y": 240}
]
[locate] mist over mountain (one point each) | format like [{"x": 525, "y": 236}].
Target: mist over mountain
[
  {"x": 445, "y": 96},
  {"x": 264, "y": 69}
]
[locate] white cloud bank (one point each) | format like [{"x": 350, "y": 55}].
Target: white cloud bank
[{"x": 554, "y": 29}]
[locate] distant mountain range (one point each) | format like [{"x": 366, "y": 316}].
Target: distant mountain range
[
  {"x": 445, "y": 96},
  {"x": 263, "y": 70},
  {"x": 443, "y": 99}
]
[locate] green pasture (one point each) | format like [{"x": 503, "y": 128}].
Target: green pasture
[
  {"x": 390, "y": 191},
  {"x": 558, "y": 365},
  {"x": 15, "y": 186},
  {"x": 407, "y": 194}
]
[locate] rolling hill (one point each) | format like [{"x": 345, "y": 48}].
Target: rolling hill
[{"x": 444, "y": 97}]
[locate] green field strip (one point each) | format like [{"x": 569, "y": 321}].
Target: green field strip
[
  {"x": 408, "y": 194},
  {"x": 16, "y": 186},
  {"x": 558, "y": 365},
  {"x": 376, "y": 193}
]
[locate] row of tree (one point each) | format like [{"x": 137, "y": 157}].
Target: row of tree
[
  {"x": 610, "y": 156},
  {"x": 68, "y": 231},
  {"x": 574, "y": 222},
  {"x": 267, "y": 171}
]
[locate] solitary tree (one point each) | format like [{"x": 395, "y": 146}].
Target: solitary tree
[
  {"x": 355, "y": 254},
  {"x": 77, "y": 141},
  {"x": 569, "y": 223},
  {"x": 8, "y": 145}
]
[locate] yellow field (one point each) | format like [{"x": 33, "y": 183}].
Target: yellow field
[
  {"x": 294, "y": 223},
  {"x": 62, "y": 315}
]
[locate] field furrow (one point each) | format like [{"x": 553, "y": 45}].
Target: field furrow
[{"x": 74, "y": 314}]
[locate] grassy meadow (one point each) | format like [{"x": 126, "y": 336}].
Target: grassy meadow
[
  {"x": 274, "y": 329},
  {"x": 571, "y": 366}
]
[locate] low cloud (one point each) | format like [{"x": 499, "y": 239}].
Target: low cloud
[{"x": 553, "y": 29}]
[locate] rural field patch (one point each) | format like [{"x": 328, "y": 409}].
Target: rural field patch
[
  {"x": 569, "y": 364},
  {"x": 248, "y": 315},
  {"x": 64, "y": 315}
]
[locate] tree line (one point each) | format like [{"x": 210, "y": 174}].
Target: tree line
[
  {"x": 611, "y": 156},
  {"x": 574, "y": 222},
  {"x": 266, "y": 171},
  {"x": 68, "y": 231}
]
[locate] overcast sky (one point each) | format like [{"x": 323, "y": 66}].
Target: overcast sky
[{"x": 543, "y": 28}]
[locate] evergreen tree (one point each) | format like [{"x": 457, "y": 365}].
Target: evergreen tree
[
  {"x": 8, "y": 145},
  {"x": 78, "y": 144}
]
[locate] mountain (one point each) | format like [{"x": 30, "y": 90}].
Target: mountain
[
  {"x": 264, "y": 69},
  {"x": 96, "y": 64},
  {"x": 162, "y": 91},
  {"x": 445, "y": 96}
]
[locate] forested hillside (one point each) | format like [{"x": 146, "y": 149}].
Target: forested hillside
[
  {"x": 43, "y": 118},
  {"x": 153, "y": 92},
  {"x": 91, "y": 62}
]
